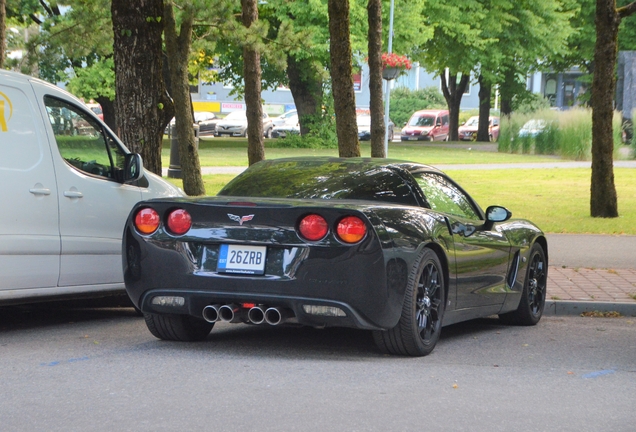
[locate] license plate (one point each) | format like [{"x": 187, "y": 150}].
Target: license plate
[
  {"x": 242, "y": 259},
  {"x": 412, "y": 138}
]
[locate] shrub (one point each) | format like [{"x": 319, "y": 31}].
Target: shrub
[{"x": 405, "y": 102}]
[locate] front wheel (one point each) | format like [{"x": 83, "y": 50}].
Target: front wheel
[
  {"x": 174, "y": 327},
  {"x": 420, "y": 324},
  {"x": 532, "y": 302}
]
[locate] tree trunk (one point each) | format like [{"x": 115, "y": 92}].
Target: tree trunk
[
  {"x": 142, "y": 106},
  {"x": 306, "y": 89},
  {"x": 108, "y": 109},
  {"x": 378, "y": 130},
  {"x": 342, "y": 79},
  {"x": 178, "y": 50},
  {"x": 453, "y": 93},
  {"x": 3, "y": 29},
  {"x": 507, "y": 92},
  {"x": 485, "y": 92},
  {"x": 252, "y": 77},
  {"x": 603, "y": 200}
]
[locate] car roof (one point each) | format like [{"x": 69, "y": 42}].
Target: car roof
[
  {"x": 355, "y": 164},
  {"x": 430, "y": 112}
]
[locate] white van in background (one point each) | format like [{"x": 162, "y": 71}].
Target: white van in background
[{"x": 67, "y": 185}]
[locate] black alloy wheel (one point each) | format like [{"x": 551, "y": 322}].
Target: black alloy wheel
[
  {"x": 420, "y": 325},
  {"x": 533, "y": 295}
]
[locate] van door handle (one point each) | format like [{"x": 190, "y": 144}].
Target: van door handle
[
  {"x": 40, "y": 191},
  {"x": 73, "y": 194}
]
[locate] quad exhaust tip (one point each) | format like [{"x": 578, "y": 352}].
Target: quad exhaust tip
[{"x": 234, "y": 313}]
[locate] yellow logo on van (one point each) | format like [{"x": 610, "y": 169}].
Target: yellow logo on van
[{"x": 6, "y": 111}]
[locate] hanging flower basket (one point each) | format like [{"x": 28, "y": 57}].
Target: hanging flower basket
[
  {"x": 390, "y": 73},
  {"x": 393, "y": 65}
]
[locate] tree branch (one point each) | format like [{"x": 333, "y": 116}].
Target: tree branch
[{"x": 626, "y": 10}]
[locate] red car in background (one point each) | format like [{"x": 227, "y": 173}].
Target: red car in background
[{"x": 426, "y": 125}]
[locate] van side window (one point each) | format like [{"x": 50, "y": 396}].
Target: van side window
[{"x": 81, "y": 140}]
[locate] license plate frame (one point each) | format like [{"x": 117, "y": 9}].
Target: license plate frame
[
  {"x": 412, "y": 138},
  {"x": 242, "y": 259}
]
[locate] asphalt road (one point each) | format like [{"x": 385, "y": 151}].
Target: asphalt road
[{"x": 101, "y": 370}]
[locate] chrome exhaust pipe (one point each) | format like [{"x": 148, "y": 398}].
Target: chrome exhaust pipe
[
  {"x": 211, "y": 313},
  {"x": 256, "y": 315},
  {"x": 275, "y": 316},
  {"x": 231, "y": 313}
]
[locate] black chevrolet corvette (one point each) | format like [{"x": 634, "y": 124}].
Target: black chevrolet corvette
[{"x": 394, "y": 247}]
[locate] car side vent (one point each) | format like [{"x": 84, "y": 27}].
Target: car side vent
[{"x": 514, "y": 269}]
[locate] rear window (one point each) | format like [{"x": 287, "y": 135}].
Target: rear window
[{"x": 328, "y": 180}]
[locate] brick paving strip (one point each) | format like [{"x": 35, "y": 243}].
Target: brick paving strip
[{"x": 593, "y": 285}]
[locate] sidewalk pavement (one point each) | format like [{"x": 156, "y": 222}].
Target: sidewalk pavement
[{"x": 590, "y": 273}]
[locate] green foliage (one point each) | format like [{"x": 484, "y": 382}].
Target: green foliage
[
  {"x": 94, "y": 81},
  {"x": 322, "y": 134},
  {"x": 405, "y": 102},
  {"x": 528, "y": 102}
]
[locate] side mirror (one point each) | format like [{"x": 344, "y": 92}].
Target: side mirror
[
  {"x": 497, "y": 214},
  {"x": 404, "y": 123},
  {"x": 133, "y": 168}
]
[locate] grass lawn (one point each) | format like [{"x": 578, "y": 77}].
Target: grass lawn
[{"x": 233, "y": 152}]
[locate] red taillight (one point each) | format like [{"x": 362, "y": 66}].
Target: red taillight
[
  {"x": 313, "y": 227},
  {"x": 147, "y": 220},
  {"x": 351, "y": 229},
  {"x": 179, "y": 222}
]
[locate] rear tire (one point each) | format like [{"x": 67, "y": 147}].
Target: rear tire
[
  {"x": 173, "y": 327},
  {"x": 420, "y": 324},
  {"x": 532, "y": 302}
]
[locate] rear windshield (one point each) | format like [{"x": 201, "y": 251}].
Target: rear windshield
[{"x": 329, "y": 180}]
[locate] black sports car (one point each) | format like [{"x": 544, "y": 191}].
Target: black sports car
[{"x": 389, "y": 246}]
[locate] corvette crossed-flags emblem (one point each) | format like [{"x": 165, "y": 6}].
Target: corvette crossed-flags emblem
[{"x": 240, "y": 219}]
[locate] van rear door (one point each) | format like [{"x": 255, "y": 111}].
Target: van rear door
[{"x": 29, "y": 229}]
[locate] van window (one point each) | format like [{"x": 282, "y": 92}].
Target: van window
[
  {"x": 444, "y": 120},
  {"x": 81, "y": 140}
]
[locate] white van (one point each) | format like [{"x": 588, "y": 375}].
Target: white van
[{"x": 67, "y": 185}]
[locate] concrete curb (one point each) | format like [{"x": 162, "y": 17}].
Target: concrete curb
[{"x": 562, "y": 308}]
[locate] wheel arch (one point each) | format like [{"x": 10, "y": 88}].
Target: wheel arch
[
  {"x": 543, "y": 242},
  {"x": 443, "y": 259}
]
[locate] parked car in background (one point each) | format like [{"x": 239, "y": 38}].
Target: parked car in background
[
  {"x": 207, "y": 122},
  {"x": 97, "y": 109},
  {"x": 289, "y": 126},
  {"x": 426, "y": 125},
  {"x": 532, "y": 128},
  {"x": 394, "y": 247},
  {"x": 65, "y": 195},
  {"x": 205, "y": 119},
  {"x": 364, "y": 127},
  {"x": 235, "y": 124},
  {"x": 468, "y": 131},
  {"x": 281, "y": 119}
]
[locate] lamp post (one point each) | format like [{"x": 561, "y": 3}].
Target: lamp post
[{"x": 388, "y": 87}]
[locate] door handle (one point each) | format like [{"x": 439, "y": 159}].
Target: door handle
[
  {"x": 73, "y": 194},
  {"x": 40, "y": 191}
]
